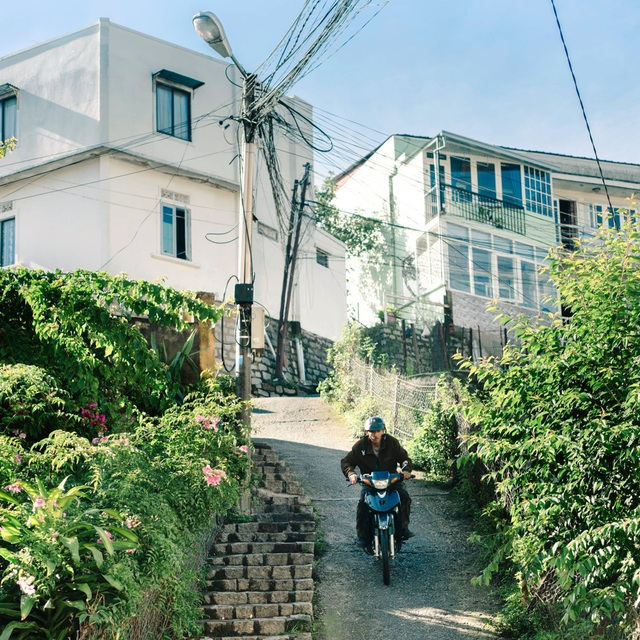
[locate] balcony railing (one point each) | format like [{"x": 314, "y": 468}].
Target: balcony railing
[{"x": 480, "y": 208}]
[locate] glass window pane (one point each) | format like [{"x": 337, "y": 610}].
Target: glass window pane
[
  {"x": 9, "y": 118},
  {"x": 459, "y": 266},
  {"x": 502, "y": 244},
  {"x": 505, "y": 277},
  {"x": 511, "y": 183},
  {"x": 167, "y": 230},
  {"x": 461, "y": 178},
  {"x": 487, "y": 179},
  {"x": 529, "y": 289},
  {"x": 482, "y": 272},
  {"x": 525, "y": 251},
  {"x": 181, "y": 120},
  {"x": 457, "y": 232},
  {"x": 164, "y": 109},
  {"x": 481, "y": 239},
  {"x": 181, "y": 234},
  {"x": 7, "y": 242}
]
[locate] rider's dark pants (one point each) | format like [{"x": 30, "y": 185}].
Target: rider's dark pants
[{"x": 362, "y": 525}]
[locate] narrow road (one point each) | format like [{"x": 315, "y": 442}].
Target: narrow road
[{"x": 430, "y": 595}]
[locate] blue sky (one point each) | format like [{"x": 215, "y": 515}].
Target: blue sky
[{"x": 492, "y": 70}]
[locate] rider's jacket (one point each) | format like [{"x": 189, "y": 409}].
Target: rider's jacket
[{"x": 391, "y": 455}]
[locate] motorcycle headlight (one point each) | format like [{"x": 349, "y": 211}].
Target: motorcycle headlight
[{"x": 380, "y": 484}]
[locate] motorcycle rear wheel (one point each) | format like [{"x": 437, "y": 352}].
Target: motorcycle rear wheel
[{"x": 385, "y": 553}]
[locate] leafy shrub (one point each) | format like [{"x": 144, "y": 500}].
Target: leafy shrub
[{"x": 557, "y": 429}]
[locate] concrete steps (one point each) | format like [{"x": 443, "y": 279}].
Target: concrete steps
[{"x": 259, "y": 582}]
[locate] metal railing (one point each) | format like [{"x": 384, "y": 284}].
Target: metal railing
[{"x": 481, "y": 208}]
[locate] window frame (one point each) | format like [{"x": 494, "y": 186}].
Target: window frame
[
  {"x": 322, "y": 257},
  {"x": 3, "y": 225},
  {"x": 173, "y": 128},
  {"x": 176, "y": 228},
  {"x": 5, "y": 98}
]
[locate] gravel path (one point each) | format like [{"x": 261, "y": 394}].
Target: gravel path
[{"x": 430, "y": 595}]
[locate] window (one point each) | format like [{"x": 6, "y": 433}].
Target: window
[
  {"x": 322, "y": 258},
  {"x": 8, "y": 117},
  {"x": 461, "y": 178},
  {"x": 511, "y": 183},
  {"x": 176, "y": 232},
  {"x": 173, "y": 111},
  {"x": 7, "y": 242},
  {"x": 487, "y": 179},
  {"x": 493, "y": 266},
  {"x": 537, "y": 191},
  {"x": 482, "y": 272}
]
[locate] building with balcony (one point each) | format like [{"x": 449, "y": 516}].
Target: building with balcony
[{"x": 468, "y": 223}]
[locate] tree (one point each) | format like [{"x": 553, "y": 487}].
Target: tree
[
  {"x": 558, "y": 429},
  {"x": 359, "y": 234}
]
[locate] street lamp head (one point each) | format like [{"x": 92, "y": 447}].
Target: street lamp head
[{"x": 209, "y": 28}]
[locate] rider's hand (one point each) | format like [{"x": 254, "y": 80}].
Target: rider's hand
[
  {"x": 406, "y": 475},
  {"x": 353, "y": 478}
]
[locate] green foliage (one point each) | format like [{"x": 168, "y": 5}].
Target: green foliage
[
  {"x": 6, "y": 146},
  {"x": 31, "y": 402},
  {"x": 339, "y": 387},
  {"x": 60, "y": 561},
  {"x": 360, "y": 235},
  {"x": 77, "y": 327},
  {"x": 434, "y": 445},
  {"x": 86, "y": 403},
  {"x": 557, "y": 430}
]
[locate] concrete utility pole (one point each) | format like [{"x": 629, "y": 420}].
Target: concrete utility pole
[
  {"x": 209, "y": 28},
  {"x": 291, "y": 255}
]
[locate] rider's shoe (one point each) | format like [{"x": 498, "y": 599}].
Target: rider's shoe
[{"x": 405, "y": 534}]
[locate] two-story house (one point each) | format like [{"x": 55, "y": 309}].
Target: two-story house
[
  {"x": 128, "y": 159},
  {"x": 468, "y": 223}
]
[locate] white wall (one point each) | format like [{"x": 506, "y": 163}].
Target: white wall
[{"x": 91, "y": 92}]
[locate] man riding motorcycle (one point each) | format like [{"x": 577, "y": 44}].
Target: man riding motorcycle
[{"x": 378, "y": 451}]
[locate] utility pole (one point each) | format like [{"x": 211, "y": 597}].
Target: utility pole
[
  {"x": 291, "y": 254},
  {"x": 244, "y": 289}
]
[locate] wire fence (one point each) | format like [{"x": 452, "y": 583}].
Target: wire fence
[{"x": 405, "y": 400}]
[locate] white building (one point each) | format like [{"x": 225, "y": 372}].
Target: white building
[
  {"x": 474, "y": 231},
  {"x": 127, "y": 161}
]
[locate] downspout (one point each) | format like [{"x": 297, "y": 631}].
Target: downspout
[
  {"x": 392, "y": 220},
  {"x": 300, "y": 358}
]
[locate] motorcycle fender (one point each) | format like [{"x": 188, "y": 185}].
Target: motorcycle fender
[{"x": 384, "y": 520}]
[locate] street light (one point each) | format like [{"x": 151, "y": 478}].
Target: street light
[{"x": 209, "y": 28}]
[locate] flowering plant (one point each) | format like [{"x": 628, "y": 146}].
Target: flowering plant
[{"x": 57, "y": 561}]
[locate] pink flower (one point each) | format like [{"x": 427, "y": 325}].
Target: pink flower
[
  {"x": 212, "y": 423},
  {"x": 108, "y": 536},
  {"x": 26, "y": 585},
  {"x": 22, "y": 436},
  {"x": 213, "y": 476},
  {"x": 200, "y": 418},
  {"x": 18, "y": 458},
  {"x": 38, "y": 503},
  {"x": 244, "y": 448},
  {"x": 13, "y": 488}
]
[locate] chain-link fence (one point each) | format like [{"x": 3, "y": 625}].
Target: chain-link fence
[{"x": 406, "y": 400}]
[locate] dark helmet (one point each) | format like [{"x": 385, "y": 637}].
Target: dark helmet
[{"x": 375, "y": 423}]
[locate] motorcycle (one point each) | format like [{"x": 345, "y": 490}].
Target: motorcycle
[{"x": 383, "y": 503}]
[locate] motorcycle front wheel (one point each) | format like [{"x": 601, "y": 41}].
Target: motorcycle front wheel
[{"x": 385, "y": 553}]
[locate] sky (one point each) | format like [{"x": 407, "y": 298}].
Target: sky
[{"x": 491, "y": 70}]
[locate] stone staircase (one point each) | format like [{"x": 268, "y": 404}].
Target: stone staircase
[{"x": 259, "y": 580}]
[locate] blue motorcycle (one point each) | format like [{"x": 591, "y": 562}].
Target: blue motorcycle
[{"x": 383, "y": 503}]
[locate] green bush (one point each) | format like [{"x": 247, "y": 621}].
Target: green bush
[
  {"x": 115, "y": 473},
  {"x": 558, "y": 430}
]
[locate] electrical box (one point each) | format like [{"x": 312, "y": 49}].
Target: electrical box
[
  {"x": 257, "y": 328},
  {"x": 243, "y": 293}
]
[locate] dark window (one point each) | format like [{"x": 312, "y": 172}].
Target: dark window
[
  {"x": 461, "y": 177},
  {"x": 511, "y": 183},
  {"x": 173, "y": 111},
  {"x": 487, "y": 179},
  {"x": 322, "y": 258},
  {"x": 176, "y": 232},
  {"x": 8, "y": 118},
  {"x": 7, "y": 242}
]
